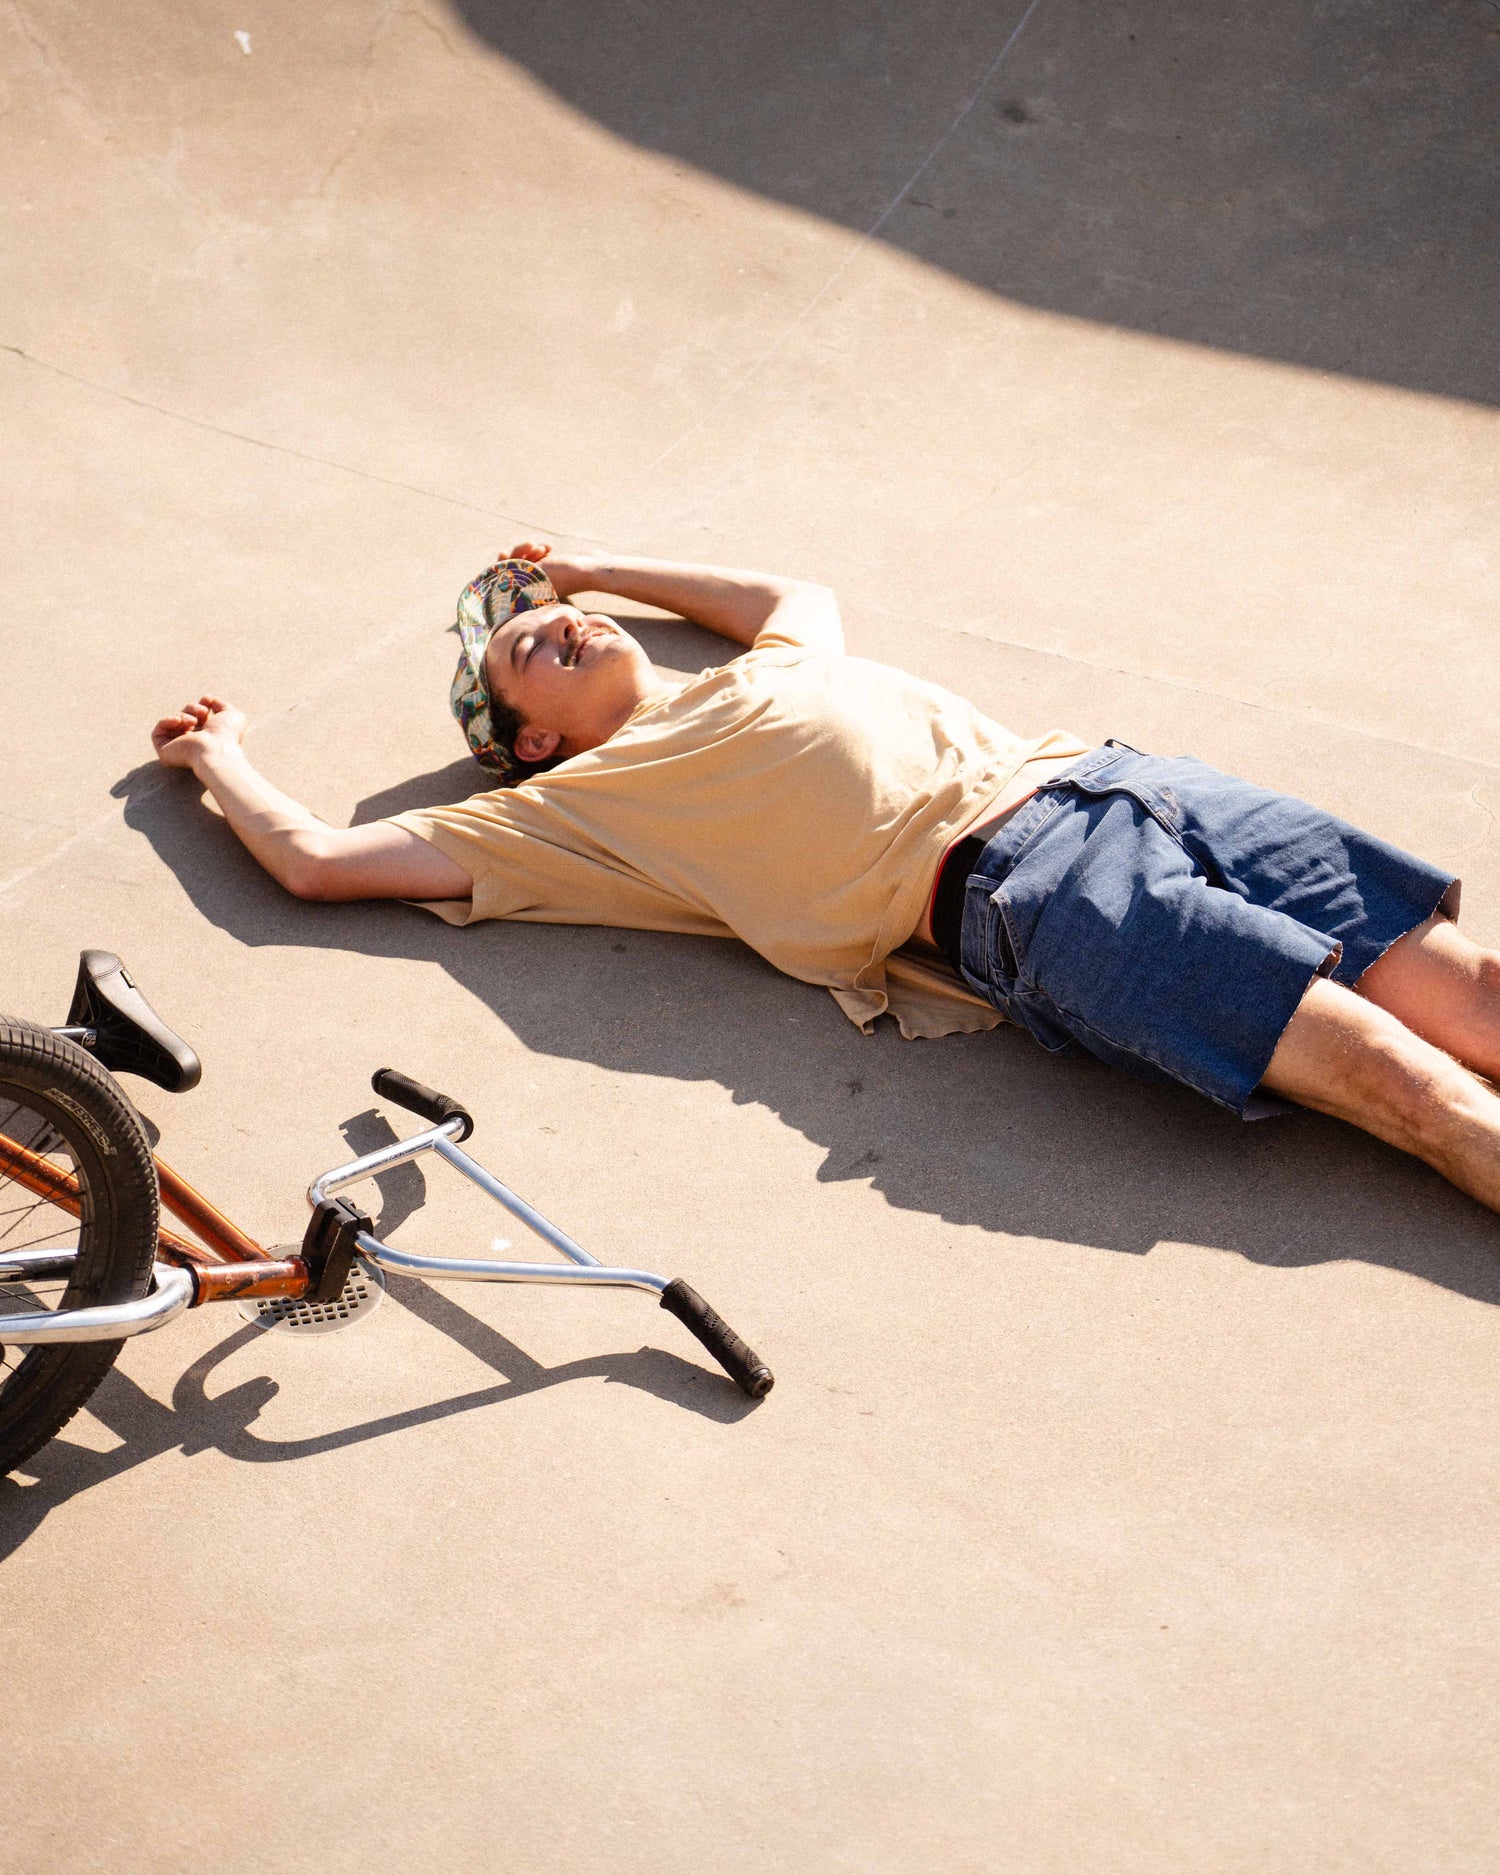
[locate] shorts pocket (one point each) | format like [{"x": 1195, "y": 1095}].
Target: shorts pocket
[
  {"x": 1012, "y": 991},
  {"x": 999, "y": 951},
  {"x": 1151, "y": 797},
  {"x": 1033, "y": 1010}
]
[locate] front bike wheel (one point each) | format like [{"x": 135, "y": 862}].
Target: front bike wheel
[{"x": 75, "y": 1173}]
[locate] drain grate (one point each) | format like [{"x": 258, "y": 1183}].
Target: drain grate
[{"x": 359, "y": 1296}]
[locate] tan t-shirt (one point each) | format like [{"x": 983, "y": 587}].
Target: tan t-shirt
[{"x": 797, "y": 799}]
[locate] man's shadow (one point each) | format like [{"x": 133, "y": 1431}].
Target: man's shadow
[{"x": 983, "y": 1130}]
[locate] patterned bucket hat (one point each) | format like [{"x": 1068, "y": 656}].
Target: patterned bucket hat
[{"x": 502, "y": 590}]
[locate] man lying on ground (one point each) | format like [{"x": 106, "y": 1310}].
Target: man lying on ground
[{"x": 864, "y": 830}]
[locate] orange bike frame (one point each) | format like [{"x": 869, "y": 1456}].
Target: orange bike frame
[{"x": 232, "y": 1266}]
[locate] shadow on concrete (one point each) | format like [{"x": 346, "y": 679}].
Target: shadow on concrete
[
  {"x": 197, "y": 1422},
  {"x": 1313, "y": 184},
  {"x": 983, "y": 1130},
  {"x": 402, "y": 1188}
]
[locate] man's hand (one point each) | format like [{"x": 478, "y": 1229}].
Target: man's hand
[
  {"x": 198, "y": 730},
  {"x": 736, "y": 604},
  {"x": 569, "y": 572},
  {"x": 310, "y": 858}
]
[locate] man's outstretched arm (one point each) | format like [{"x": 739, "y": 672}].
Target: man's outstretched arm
[
  {"x": 728, "y": 600},
  {"x": 310, "y": 858}
]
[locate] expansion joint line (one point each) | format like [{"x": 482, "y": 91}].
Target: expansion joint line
[{"x": 286, "y": 449}]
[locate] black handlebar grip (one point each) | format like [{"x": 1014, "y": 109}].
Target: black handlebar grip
[
  {"x": 740, "y": 1361},
  {"x": 405, "y": 1092}
]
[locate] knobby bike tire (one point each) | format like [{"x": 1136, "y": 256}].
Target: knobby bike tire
[{"x": 59, "y": 1084}]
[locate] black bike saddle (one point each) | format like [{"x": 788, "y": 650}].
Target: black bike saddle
[{"x": 129, "y": 1036}]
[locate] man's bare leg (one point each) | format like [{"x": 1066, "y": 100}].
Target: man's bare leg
[
  {"x": 1343, "y": 1054},
  {"x": 1445, "y": 988}
]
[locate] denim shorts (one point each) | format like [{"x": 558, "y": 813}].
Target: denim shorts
[{"x": 1168, "y": 918}]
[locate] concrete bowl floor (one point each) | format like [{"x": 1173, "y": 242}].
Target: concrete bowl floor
[{"x": 1127, "y": 1498}]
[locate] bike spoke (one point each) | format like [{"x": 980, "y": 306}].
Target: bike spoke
[
  {"x": 41, "y": 1238},
  {"x": 45, "y": 1230},
  {"x": 31, "y": 1221}
]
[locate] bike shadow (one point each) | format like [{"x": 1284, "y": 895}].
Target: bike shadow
[{"x": 195, "y": 1421}]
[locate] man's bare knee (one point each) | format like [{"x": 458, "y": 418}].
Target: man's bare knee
[
  {"x": 1343, "y": 1055},
  {"x": 1350, "y": 1058},
  {"x": 1433, "y": 957},
  {"x": 1486, "y": 968}
]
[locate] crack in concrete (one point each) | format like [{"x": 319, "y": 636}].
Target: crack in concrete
[
  {"x": 854, "y": 252},
  {"x": 1489, "y": 826},
  {"x": 366, "y": 102},
  {"x": 416, "y": 13},
  {"x": 62, "y": 84},
  {"x": 367, "y": 108},
  {"x": 319, "y": 190}
]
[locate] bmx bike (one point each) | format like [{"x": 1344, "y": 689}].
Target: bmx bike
[{"x": 86, "y": 1263}]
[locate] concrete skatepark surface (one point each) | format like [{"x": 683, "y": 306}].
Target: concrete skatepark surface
[{"x": 1127, "y": 1499}]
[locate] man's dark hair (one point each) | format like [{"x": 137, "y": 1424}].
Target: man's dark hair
[{"x": 506, "y": 723}]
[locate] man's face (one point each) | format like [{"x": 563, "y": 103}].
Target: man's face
[{"x": 573, "y": 677}]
